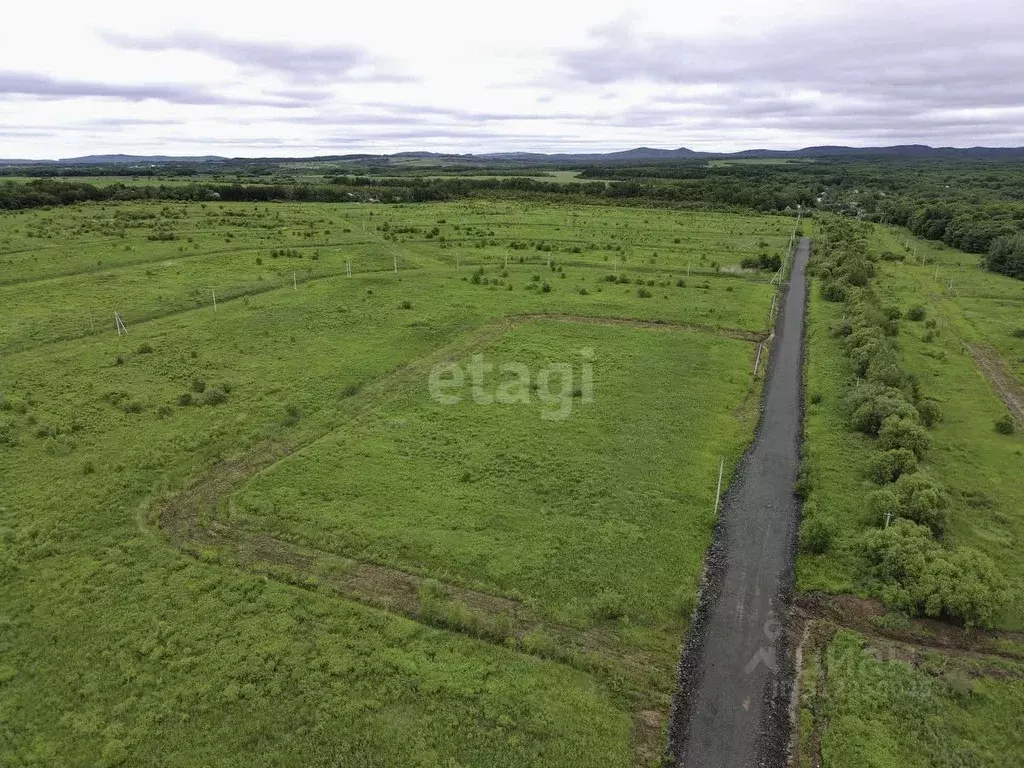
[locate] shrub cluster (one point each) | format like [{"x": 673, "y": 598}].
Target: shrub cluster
[
  {"x": 904, "y": 561},
  {"x": 912, "y": 572}
]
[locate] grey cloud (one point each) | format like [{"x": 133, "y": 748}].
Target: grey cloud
[
  {"x": 875, "y": 74},
  {"x": 45, "y": 87},
  {"x": 298, "y": 63},
  {"x": 469, "y": 115}
]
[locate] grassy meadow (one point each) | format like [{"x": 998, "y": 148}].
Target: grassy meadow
[
  {"x": 879, "y": 704},
  {"x": 605, "y": 511},
  {"x": 64, "y": 272},
  {"x": 979, "y": 467},
  {"x": 121, "y": 646}
]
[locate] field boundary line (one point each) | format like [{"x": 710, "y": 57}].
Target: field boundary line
[{"x": 197, "y": 519}]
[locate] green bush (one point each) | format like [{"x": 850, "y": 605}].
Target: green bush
[
  {"x": 923, "y": 500},
  {"x": 870, "y": 405},
  {"x": 198, "y": 384},
  {"x": 608, "y": 606},
  {"x": 292, "y": 414},
  {"x": 911, "y": 572},
  {"x": 643, "y": 293},
  {"x": 929, "y": 412},
  {"x": 885, "y": 367},
  {"x": 884, "y": 505},
  {"x": 215, "y": 396},
  {"x": 833, "y": 290},
  {"x": 889, "y": 466},
  {"x": 185, "y": 399},
  {"x": 899, "y": 432},
  {"x": 915, "y": 497},
  {"x": 1005, "y": 425},
  {"x": 817, "y": 534},
  {"x": 916, "y": 313}
]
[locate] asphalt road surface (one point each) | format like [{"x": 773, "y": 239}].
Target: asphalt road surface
[{"x": 731, "y": 709}]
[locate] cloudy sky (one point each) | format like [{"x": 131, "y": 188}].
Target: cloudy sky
[{"x": 301, "y": 78}]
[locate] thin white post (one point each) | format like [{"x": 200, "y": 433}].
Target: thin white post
[
  {"x": 117, "y": 323},
  {"x": 888, "y": 516},
  {"x": 396, "y": 264},
  {"x": 348, "y": 268},
  {"x": 757, "y": 362},
  {"x": 214, "y": 292},
  {"x": 771, "y": 312},
  {"x": 718, "y": 493},
  {"x": 295, "y": 282}
]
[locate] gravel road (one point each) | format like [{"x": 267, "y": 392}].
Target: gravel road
[{"x": 735, "y": 675}]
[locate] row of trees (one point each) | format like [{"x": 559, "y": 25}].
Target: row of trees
[
  {"x": 906, "y": 560},
  {"x": 46, "y": 192}
]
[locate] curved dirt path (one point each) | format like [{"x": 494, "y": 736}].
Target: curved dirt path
[{"x": 732, "y": 707}]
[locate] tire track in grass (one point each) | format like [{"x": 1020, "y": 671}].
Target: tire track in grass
[{"x": 735, "y": 675}]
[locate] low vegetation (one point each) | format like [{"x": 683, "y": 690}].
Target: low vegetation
[{"x": 907, "y": 556}]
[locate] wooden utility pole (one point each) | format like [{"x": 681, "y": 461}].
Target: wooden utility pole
[{"x": 718, "y": 493}]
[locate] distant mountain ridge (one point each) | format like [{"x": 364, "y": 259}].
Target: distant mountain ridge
[{"x": 907, "y": 151}]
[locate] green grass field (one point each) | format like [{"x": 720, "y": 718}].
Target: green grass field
[
  {"x": 126, "y": 641},
  {"x": 65, "y": 272},
  {"x": 609, "y": 508},
  {"x": 878, "y": 704}
]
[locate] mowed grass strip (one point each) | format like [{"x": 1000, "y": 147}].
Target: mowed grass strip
[{"x": 604, "y": 514}]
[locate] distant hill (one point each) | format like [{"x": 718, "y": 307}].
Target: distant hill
[
  {"x": 639, "y": 154},
  {"x": 135, "y": 159}
]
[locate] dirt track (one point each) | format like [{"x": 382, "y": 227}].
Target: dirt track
[
  {"x": 993, "y": 369},
  {"x": 735, "y": 675}
]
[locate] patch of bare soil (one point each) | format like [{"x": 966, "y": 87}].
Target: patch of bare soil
[
  {"x": 992, "y": 367},
  {"x": 863, "y": 616}
]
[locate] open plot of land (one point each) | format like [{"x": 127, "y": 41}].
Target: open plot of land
[
  {"x": 117, "y": 647},
  {"x": 986, "y": 308},
  {"x": 583, "y": 508},
  {"x": 65, "y": 272},
  {"x": 872, "y": 702}
]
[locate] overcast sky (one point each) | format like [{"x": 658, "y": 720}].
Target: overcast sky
[{"x": 300, "y": 78}]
